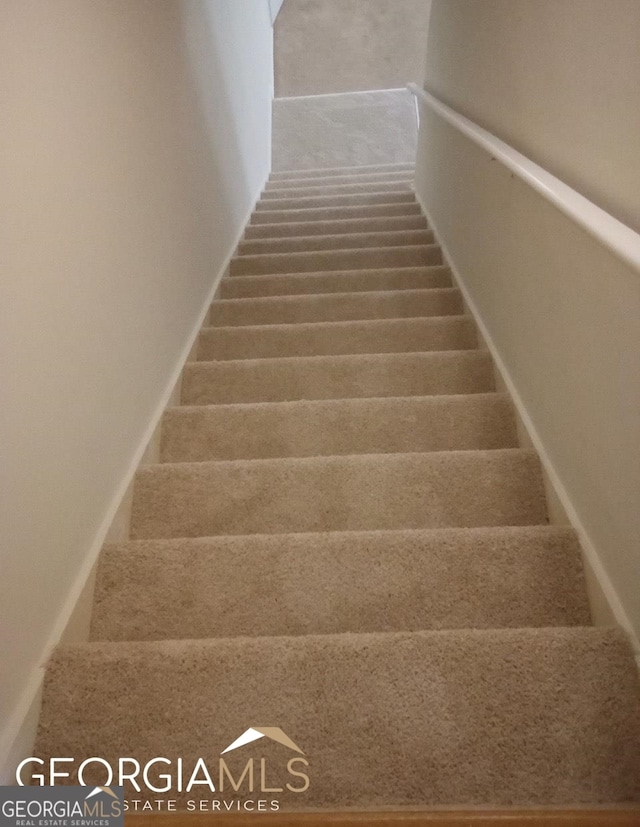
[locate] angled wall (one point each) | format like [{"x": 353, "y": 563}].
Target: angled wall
[{"x": 275, "y": 6}]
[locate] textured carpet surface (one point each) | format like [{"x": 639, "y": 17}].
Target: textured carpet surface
[
  {"x": 401, "y": 195},
  {"x": 350, "y": 493},
  {"x": 337, "y": 307},
  {"x": 367, "y": 336},
  {"x": 324, "y": 46},
  {"x": 447, "y": 578},
  {"x": 350, "y": 281},
  {"x": 338, "y": 426},
  {"x": 282, "y": 181},
  {"x": 334, "y": 377},
  {"x": 363, "y": 129},
  {"x": 323, "y": 213},
  {"x": 417, "y": 255},
  {"x": 337, "y": 227},
  {"x": 389, "y": 238},
  {"x": 308, "y": 189},
  {"x": 343, "y": 538},
  {"x": 364, "y": 171},
  {"x": 533, "y": 716}
]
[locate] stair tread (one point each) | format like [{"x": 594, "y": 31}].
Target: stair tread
[
  {"x": 340, "y": 338},
  {"x": 346, "y": 324},
  {"x": 472, "y": 356},
  {"x": 336, "y": 227},
  {"x": 343, "y": 259},
  {"x": 367, "y": 281},
  {"x": 364, "y": 168},
  {"x": 332, "y": 213},
  {"x": 343, "y": 426},
  {"x": 310, "y": 253},
  {"x": 333, "y": 377},
  {"x": 283, "y": 301},
  {"x": 312, "y": 188},
  {"x": 302, "y": 584},
  {"x": 339, "y": 493},
  {"x": 400, "y": 196},
  {"x": 513, "y": 717},
  {"x": 435, "y": 301},
  {"x": 399, "y": 176},
  {"x": 390, "y": 238},
  {"x": 368, "y": 272}
]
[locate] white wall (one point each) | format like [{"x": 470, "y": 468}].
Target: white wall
[
  {"x": 136, "y": 137},
  {"x": 559, "y": 81}
]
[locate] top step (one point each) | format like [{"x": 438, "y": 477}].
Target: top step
[
  {"x": 326, "y": 180},
  {"x": 319, "y": 173},
  {"x": 306, "y": 189}
]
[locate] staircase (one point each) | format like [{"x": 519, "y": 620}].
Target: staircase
[{"x": 344, "y": 540}]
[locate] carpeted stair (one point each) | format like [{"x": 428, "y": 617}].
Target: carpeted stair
[{"x": 343, "y": 539}]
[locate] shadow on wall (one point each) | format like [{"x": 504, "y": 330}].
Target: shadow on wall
[
  {"x": 222, "y": 95},
  {"x": 328, "y": 46}
]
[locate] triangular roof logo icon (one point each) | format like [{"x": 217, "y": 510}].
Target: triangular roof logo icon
[
  {"x": 255, "y": 733},
  {"x": 98, "y": 790}
]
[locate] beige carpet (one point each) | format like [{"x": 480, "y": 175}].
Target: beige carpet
[
  {"x": 386, "y": 238},
  {"x": 343, "y": 539},
  {"x": 337, "y": 426},
  {"x": 353, "y": 129},
  {"x": 368, "y": 281},
  {"x": 324, "y": 46}
]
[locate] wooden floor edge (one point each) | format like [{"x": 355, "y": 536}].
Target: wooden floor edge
[{"x": 606, "y": 817}]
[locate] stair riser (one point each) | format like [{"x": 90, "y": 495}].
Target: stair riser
[
  {"x": 244, "y": 287},
  {"x": 339, "y": 494},
  {"x": 337, "y": 377},
  {"x": 318, "y": 201},
  {"x": 386, "y": 336},
  {"x": 345, "y": 242},
  {"x": 334, "y": 213},
  {"x": 308, "y": 429},
  {"x": 310, "y": 584},
  {"x": 312, "y": 190},
  {"x": 322, "y": 172},
  {"x": 336, "y": 307},
  {"x": 341, "y": 180},
  {"x": 322, "y": 261},
  {"x": 347, "y": 225}
]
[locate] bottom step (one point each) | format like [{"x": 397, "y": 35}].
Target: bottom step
[{"x": 424, "y": 719}]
